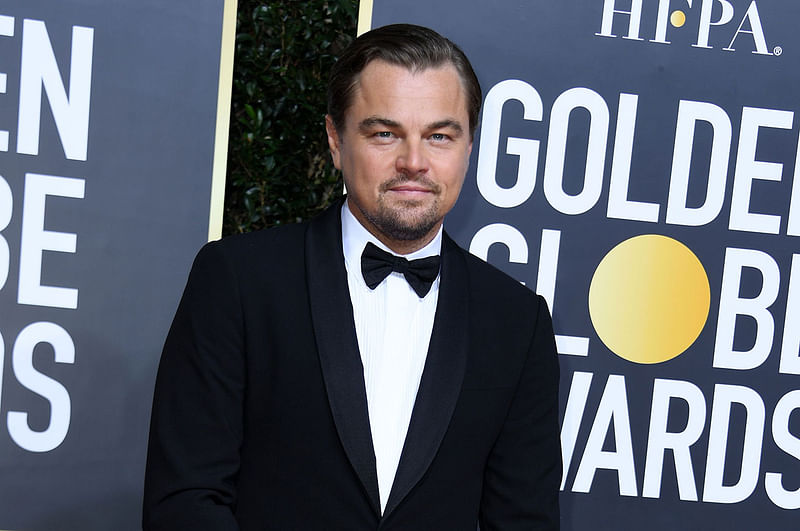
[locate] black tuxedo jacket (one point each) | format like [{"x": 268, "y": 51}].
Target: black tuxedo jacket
[{"x": 260, "y": 413}]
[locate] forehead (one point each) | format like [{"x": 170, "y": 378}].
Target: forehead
[{"x": 395, "y": 92}]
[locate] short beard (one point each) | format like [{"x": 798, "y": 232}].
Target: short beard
[{"x": 393, "y": 224}]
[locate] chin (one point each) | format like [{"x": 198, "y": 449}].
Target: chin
[{"x": 407, "y": 228}]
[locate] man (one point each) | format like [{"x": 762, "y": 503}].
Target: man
[{"x": 313, "y": 380}]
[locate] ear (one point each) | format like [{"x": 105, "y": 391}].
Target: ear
[{"x": 334, "y": 142}]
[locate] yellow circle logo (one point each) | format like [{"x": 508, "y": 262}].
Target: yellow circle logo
[
  {"x": 649, "y": 299},
  {"x": 677, "y": 18}
]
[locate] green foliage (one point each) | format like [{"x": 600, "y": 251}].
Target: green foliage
[{"x": 279, "y": 168}]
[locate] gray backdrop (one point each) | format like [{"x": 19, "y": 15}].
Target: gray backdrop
[{"x": 144, "y": 213}]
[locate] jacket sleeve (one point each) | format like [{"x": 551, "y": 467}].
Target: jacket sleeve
[
  {"x": 196, "y": 424},
  {"x": 523, "y": 472}
]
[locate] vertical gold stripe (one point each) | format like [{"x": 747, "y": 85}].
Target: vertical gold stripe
[
  {"x": 364, "y": 16},
  {"x": 217, "y": 206}
]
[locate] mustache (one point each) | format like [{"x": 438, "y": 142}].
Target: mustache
[{"x": 402, "y": 179}]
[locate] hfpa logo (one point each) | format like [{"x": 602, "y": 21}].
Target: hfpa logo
[{"x": 749, "y": 23}]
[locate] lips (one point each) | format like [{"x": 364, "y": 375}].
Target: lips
[{"x": 410, "y": 188}]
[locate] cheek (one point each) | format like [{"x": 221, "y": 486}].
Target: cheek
[
  {"x": 365, "y": 162},
  {"x": 453, "y": 192},
  {"x": 365, "y": 173},
  {"x": 456, "y": 174}
]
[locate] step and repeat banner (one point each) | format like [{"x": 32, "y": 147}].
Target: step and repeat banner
[
  {"x": 637, "y": 165},
  {"x": 109, "y": 119}
]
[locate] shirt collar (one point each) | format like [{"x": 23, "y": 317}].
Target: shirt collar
[{"x": 355, "y": 238}]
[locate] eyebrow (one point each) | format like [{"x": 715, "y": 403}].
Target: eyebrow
[
  {"x": 448, "y": 124},
  {"x": 368, "y": 123}
]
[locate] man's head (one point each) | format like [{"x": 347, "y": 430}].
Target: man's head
[
  {"x": 403, "y": 105},
  {"x": 413, "y": 47}
]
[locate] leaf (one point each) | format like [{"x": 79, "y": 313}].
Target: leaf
[{"x": 279, "y": 170}]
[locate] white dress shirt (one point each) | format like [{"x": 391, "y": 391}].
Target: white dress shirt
[{"x": 393, "y": 327}]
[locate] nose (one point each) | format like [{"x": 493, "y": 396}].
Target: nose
[{"x": 411, "y": 159}]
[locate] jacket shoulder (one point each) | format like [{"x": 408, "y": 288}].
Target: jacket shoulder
[
  {"x": 266, "y": 249},
  {"x": 490, "y": 286},
  {"x": 264, "y": 241}
]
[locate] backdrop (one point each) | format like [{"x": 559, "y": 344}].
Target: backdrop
[
  {"x": 108, "y": 118},
  {"x": 636, "y": 164}
]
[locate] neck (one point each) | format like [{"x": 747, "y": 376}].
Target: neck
[{"x": 407, "y": 246}]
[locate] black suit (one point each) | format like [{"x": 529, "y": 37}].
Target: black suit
[{"x": 260, "y": 415}]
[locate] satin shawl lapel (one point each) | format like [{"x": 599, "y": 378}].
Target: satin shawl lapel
[
  {"x": 332, "y": 316},
  {"x": 441, "y": 379}
]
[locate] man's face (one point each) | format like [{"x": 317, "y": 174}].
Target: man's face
[{"x": 403, "y": 151}]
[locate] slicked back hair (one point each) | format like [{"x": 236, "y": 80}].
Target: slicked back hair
[{"x": 413, "y": 47}]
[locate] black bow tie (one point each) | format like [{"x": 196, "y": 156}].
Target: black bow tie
[{"x": 376, "y": 264}]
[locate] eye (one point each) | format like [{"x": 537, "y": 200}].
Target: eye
[
  {"x": 439, "y": 137},
  {"x": 383, "y": 134}
]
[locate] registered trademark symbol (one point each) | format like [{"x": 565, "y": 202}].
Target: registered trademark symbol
[{"x": 777, "y": 50}]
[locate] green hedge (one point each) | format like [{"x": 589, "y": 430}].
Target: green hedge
[{"x": 279, "y": 168}]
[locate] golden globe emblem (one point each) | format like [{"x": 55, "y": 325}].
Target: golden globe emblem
[
  {"x": 649, "y": 299},
  {"x": 677, "y": 18}
]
